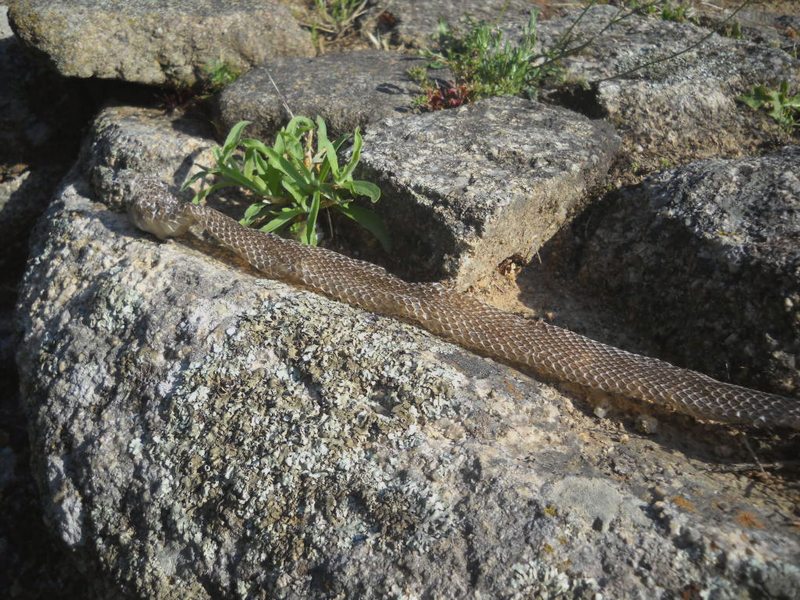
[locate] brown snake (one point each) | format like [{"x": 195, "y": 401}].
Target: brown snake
[{"x": 550, "y": 351}]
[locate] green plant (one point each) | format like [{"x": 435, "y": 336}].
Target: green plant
[
  {"x": 293, "y": 180},
  {"x": 335, "y": 18},
  {"x": 220, "y": 74},
  {"x": 486, "y": 64},
  {"x": 783, "y": 107},
  {"x": 678, "y": 12},
  {"x": 216, "y": 75},
  {"x": 732, "y": 30}
]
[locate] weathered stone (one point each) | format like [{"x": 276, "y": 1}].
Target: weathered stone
[
  {"x": 417, "y": 22},
  {"x": 681, "y": 109},
  {"x": 170, "y": 42},
  {"x": 347, "y": 90},
  {"x": 200, "y": 432},
  {"x": 144, "y": 140},
  {"x": 466, "y": 188},
  {"x": 23, "y": 197},
  {"x": 706, "y": 258}
]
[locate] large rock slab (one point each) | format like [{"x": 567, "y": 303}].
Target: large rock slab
[
  {"x": 415, "y": 22},
  {"x": 146, "y": 141},
  {"x": 464, "y": 189},
  {"x": 706, "y": 258},
  {"x": 681, "y": 109},
  {"x": 166, "y": 42},
  {"x": 201, "y": 432},
  {"x": 348, "y": 90}
]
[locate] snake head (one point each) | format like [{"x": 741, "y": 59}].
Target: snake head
[{"x": 154, "y": 208}]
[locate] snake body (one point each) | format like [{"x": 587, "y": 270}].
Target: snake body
[{"x": 549, "y": 351}]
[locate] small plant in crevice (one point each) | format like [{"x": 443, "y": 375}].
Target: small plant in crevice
[
  {"x": 293, "y": 181},
  {"x": 218, "y": 75},
  {"x": 439, "y": 95},
  {"x": 780, "y": 104},
  {"x": 335, "y": 18},
  {"x": 679, "y": 12},
  {"x": 483, "y": 63}
]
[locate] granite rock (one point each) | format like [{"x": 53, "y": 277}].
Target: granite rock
[
  {"x": 348, "y": 90},
  {"x": 415, "y": 21},
  {"x": 680, "y": 109},
  {"x": 201, "y": 432},
  {"x": 125, "y": 138},
  {"x": 465, "y": 189},
  {"x": 706, "y": 258},
  {"x": 166, "y": 42}
]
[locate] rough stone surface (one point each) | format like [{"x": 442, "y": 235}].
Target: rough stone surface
[
  {"x": 37, "y": 141},
  {"x": 470, "y": 187},
  {"x": 681, "y": 109},
  {"x": 169, "y": 42},
  {"x": 23, "y": 197},
  {"x": 706, "y": 257},
  {"x": 417, "y": 21},
  {"x": 144, "y": 140},
  {"x": 347, "y": 90},
  {"x": 200, "y": 432}
]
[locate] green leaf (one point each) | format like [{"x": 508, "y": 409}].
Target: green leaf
[
  {"x": 233, "y": 139},
  {"x": 310, "y": 233},
  {"x": 322, "y": 133},
  {"x": 369, "y": 221},
  {"x": 292, "y": 147},
  {"x": 332, "y": 164},
  {"x": 255, "y": 185},
  {"x": 363, "y": 188},
  {"x": 249, "y": 163},
  {"x": 347, "y": 172},
  {"x": 200, "y": 196},
  {"x": 196, "y": 177},
  {"x": 325, "y": 147},
  {"x": 256, "y": 145},
  {"x": 299, "y": 125},
  {"x": 253, "y": 212},
  {"x": 298, "y": 195},
  {"x": 282, "y": 218},
  {"x": 271, "y": 176},
  {"x": 287, "y": 167}
]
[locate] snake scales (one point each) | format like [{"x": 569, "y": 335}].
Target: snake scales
[{"x": 548, "y": 350}]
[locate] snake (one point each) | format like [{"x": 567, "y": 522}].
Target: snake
[{"x": 550, "y": 352}]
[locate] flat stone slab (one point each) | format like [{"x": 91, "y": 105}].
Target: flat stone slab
[
  {"x": 347, "y": 90},
  {"x": 145, "y": 141},
  {"x": 161, "y": 42},
  {"x": 415, "y": 23},
  {"x": 684, "y": 108},
  {"x": 706, "y": 258},
  {"x": 464, "y": 189},
  {"x": 199, "y": 432}
]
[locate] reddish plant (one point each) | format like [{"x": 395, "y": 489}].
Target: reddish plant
[{"x": 447, "y": 95}]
